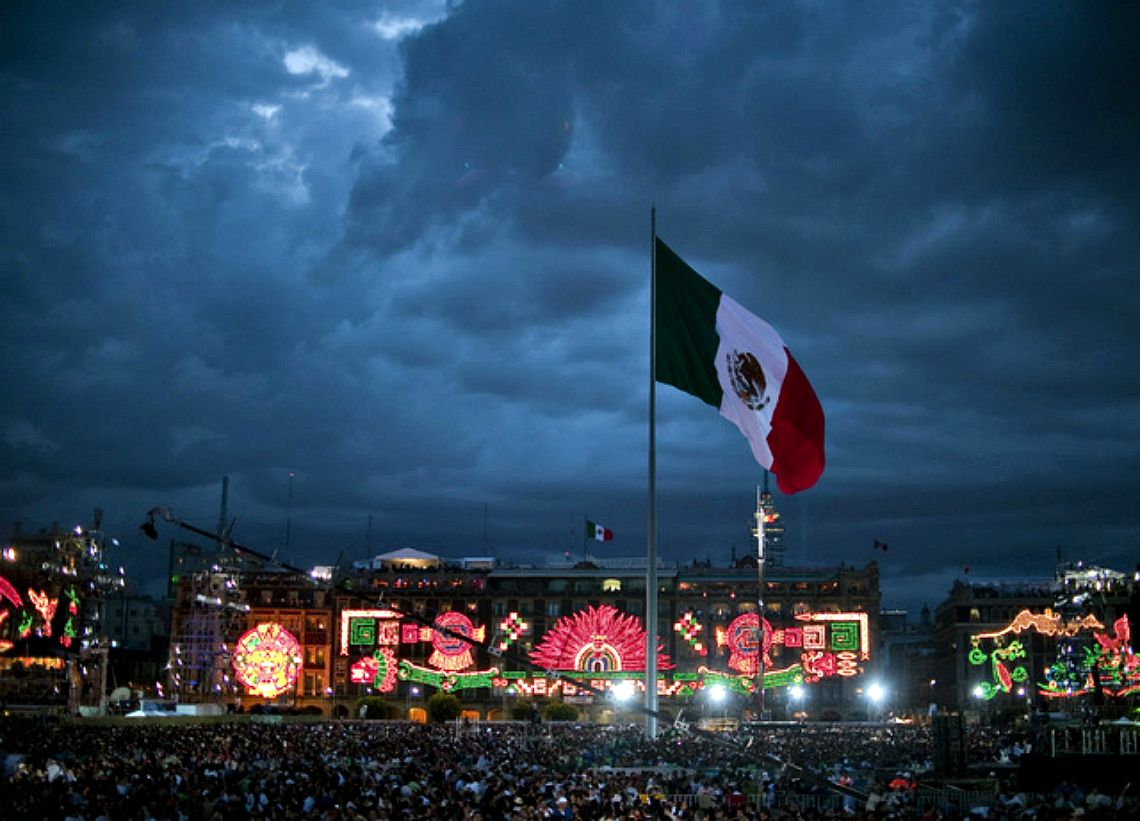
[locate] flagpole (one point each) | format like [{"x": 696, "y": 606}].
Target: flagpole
[
  {"x": 651, "y": 524},
  {"x": 760, "y": 603},
  {"x": 585, "y": 539}
]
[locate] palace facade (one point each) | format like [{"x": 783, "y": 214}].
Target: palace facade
[{"x": 407, "y": 624}]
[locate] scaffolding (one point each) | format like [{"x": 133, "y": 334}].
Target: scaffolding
[{"x": 210, "y": 615}]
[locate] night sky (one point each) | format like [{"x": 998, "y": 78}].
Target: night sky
[{"x": 401, "y": 250}]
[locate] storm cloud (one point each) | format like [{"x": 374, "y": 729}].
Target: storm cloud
[{"x": 401, "y": 251}]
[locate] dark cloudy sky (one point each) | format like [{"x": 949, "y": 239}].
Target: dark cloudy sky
[{"x": 401, "y": 249}]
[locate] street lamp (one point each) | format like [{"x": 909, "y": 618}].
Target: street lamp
[
  {"x": 796, "y": 695},
  {"x": 624, "y": 691},
  {"x": 876, "y": 693},
  {"x": 718, "y": 694}
]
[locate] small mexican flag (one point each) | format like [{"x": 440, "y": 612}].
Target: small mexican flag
[{"x": 598, "y": 533}]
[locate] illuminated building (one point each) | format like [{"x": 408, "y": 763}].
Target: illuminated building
[
  {"x": 53, "y": 587},
  {"x": 218, "y": 605},
  {"x": 1035, "y": 644},
  {"x": 393, "y": 628}
]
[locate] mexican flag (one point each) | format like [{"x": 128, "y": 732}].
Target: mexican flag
[
  {"x": 711, "y": 347},
  {"x": 597, "y": 532}
]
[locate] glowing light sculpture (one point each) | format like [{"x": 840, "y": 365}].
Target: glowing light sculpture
[
  {"x": 447, "y": 680},
  {"x": 1003, "y": 669},
  {"x": 690, "y": 627},
  {"x": 45, "y": 605},
  {"x": 746, "y": 640},
  {"x": 1109, "y": 658},
  {"x": 367, "y": 628},
  {"x": 377, "y": 670},
  {"x": 267, "y": 660},
  {"x": 512, "y": 627},
  {"x": 7, "y": 591},
  {"x": 597, "y": 640},
  {"x": 450, "y": 651},
  {"x": 1047, "y": 624}
]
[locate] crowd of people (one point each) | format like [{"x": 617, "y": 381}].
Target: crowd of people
[{"x": 354, "y": 770}]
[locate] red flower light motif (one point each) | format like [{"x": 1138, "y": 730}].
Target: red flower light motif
[{"x": 597, "y": 639}]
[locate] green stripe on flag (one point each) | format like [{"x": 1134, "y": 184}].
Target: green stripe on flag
[{"x": 687, "y": 340}]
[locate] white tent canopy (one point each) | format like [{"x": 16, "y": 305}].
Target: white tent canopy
[{"x": 407, "y": 556}]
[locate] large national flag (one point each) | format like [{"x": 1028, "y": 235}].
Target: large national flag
[
  {"x": 597, "y": 532},
  {"x": 711, "y": 347}
]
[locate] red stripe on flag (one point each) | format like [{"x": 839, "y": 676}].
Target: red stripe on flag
[{"x": 796, "y": 438}]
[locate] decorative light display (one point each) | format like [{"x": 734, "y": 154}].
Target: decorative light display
[
  {"x": 368, "y": 628},
  {"x": 446, "y": 680},
  {"x": 690, "y": 627},
  {"x": 10, "y": 594},
  {"x": 25, "y": 628},
  {"x": 45, "y": 605},
  {"x": 596, "y": 640},
  {"x": 743, "y": 637},
  {"x": 450, "y": 651},
  {"x": 512, "y": 627},
  {"x": 601, "y": 646},
  {"x": 377, "y": 670},
  {"x": 829, "y": 644},
  {"x": 1004, "y": 669},
  {"x": 1047, "y": 624},
  {"x": 54, "y": 575},
  {"x": 267, "y": 660},
  {"x": 1109, "y": 665},
  {"x": 745, "y": 684},
  {"x": 1106, "y": 662}
]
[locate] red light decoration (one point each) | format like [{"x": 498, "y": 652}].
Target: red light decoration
[
  {"x": 744, "y": 646},
  {"x": 267, "y": 660},
  {"x": 690, "y": 627},
  {"x": 1110, "y": 659},
  {"x": 597, "y": 640},
  {"x": 377, "y": 670},
  {"x": 45, "y": 606},
  {"x": 1047, "y": 623},
  {"x": 367, "y": 627},
  {"x": 512, "y": 627},
  {"x": 10, "y": 593},
  {"x": 830, "y": 644},
  {"x": 450, "y": 651}
]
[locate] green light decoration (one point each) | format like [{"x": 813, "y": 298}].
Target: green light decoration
[
  {"x": 377, "y": 670},
  {"x": 444, "y": 679},
  {"x": 844, "y": 636},
  {"x": 746, "y": 685},
  {"x": 69, "y": 633},
  {"x": 683, "y": 684},
  {"x": 1004, "y": 672},
  {"x": 1111, "y": 661},
  {"x": 1088, "y": 657}
]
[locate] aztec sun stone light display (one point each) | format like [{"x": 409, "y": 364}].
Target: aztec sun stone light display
[{"x": 267, "y": 660}]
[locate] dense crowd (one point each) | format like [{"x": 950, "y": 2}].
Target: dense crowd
[{"x": 373, "y": 770}]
